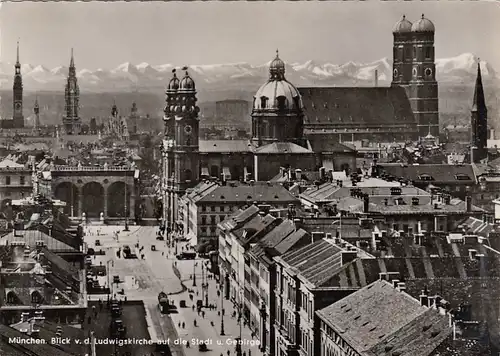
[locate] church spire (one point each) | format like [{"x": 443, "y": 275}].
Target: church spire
[
  {"x": 479, "y": 120},
  {"x": 72, "y": 60},
  {"x": 18, "y": 63},
  {"x": 479, "y": 103}
]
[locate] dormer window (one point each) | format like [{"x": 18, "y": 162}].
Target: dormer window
[
  {"x": 296, "y": 102},
  {"x": 425, "y": 177},
  {"x": 36, "y": 298},
  {"x": 263, "y": 102},
  {"x": 427, "y": 53},
  {"x": 462, "y": 176},
  {"x": 281, "y": 100}
]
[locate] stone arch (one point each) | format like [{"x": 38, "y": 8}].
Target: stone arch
[
  {"x": 68, "y": 192},
  {"x": 6, "y": 208},
  {"x": 92, "y": 199},
  {"x": 118, "y": 192}
]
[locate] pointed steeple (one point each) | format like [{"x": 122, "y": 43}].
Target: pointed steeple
[
  {"x": 36, "y": 108},
  {"x": 72, "y": 60},
  {"x": 18, "y": 63},
  {"x": 479, "y": 103}
]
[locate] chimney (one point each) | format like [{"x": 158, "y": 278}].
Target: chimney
[
  {"x": 297, "y": 223},
  {"x": 340, "y": 183},
  {"x": 317, "y": 235},
  {"x": 322, "y": 173},
  {"x": 401, "y": 287},
  {"x": 468, "y": 203},
  {"x": 348, "y": 256},
  {"x": 437, "y": 302},
  {"x": 298, "y": 174},
  {"x": 328, "y": 235},
  {"x": 293, "y": 174},
  {"x": 264, "y": 208},
  {"x": 376, "y": 78},
  {"x": 382, "y": 276},
  {"x": 472, "y": 254},
  {"x": 366, "y": 203},
  {"x": 424, "y": 299},
  {"x": 419, "y": 227},
  {"x": 395, "y": 283}
]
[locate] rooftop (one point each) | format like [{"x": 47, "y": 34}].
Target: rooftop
[
  {"x": 379, "y": 314},
  {"x": 432, "y": 173},
  {"x": 249, "y": 193}
]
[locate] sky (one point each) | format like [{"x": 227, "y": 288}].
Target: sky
[{"x": 106, "y": 34}]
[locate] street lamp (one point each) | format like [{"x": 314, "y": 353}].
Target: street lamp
[
  {"x": 194, "y": 273},
  {"x": 108, "y": 273}
]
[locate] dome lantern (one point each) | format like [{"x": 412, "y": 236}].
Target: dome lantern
[
  {"x": 402, "y": 26},
  {"x": 277, "y": 68},
  {"x": 423, "y": 26}
]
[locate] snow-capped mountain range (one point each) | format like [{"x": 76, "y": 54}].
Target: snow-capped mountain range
[{"x": 127, "y": 76}]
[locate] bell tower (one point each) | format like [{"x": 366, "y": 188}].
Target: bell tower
[
  {"x": 402, "y": 52},
  {"x": 181, "y": 162},
  {"x": 71, "y": 121},
  {"x": 17, "y": 116},
  {"x": 423, "y": 87},
  {"x": 36, "y": 123}
]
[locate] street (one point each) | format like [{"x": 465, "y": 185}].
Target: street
[{"x": 144, "y": 279}]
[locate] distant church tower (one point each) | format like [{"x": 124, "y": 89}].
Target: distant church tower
[
  {"x": 71, "y": 121},
  {"x": 479, "y": 121},
  {"x": 36, "y": 123},
  {"x": 134, "y": 116},
  {"x": 17, "y": 116},
  {"x": 414, "y": 69},
  {"x": 182, "y": 168}
]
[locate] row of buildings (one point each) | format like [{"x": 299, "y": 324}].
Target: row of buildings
[{"x": 364, "y": 283}]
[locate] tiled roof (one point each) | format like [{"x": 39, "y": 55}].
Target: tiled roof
[
  {"x": 324, "y": 144},
  {"x": 238, "y": 218},
  {"x": 260, "y": 193},
  {"x": 288, "y": 242},
  {"x": 265, "y": 248},
  {"x": 30, "y": 237},
  {"x": 456, "y": 207},
  {"x": 478, "y": 226},
  {"x": 283, "y": 147},
  {"x": 419, "y": 337},
  {"x": 9, "y": 349},
  {"x": 253, "y": 227},
  {"x": 368, "y": 106},
  {"x": 368, "y": 316},
  {"x": 7, "y": 163},
  {"x": 227, "y": 146},
  {"x": 201, "y": 190},
  {"x": 316, "y": 263},
  {"x": 441, "y": 173}
]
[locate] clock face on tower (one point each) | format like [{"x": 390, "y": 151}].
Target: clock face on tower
[
  {"x": 188, "y": 129},
  {"x": 18, "y": 106}
]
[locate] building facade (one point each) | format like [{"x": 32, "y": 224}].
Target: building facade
[{"x": 17, "y": 121}]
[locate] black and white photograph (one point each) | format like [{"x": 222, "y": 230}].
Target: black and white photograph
[{"x": 249, "y": 178}]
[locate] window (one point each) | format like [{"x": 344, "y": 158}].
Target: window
[
  {"x": 281, "y": 102},
  {"x": 187, "y": 175},
  {"x": 203, "y": 230},
  {"x": 212, "y": 219},
  {"x": 7, "y": 180},
  {"x": 36, "y": 297},
  {"x": 263, "y": 102},
  {"x": 427, "y": 53},
  {"x": 11, "y": 298},
  {"x": 22, "y": 180},
  {"x": 212, "y": 208},
  {"x": 407, "y": 53},
  {"x": 203, "y": 220},
  {"x": 212, "y": 230},
  {"x": 414, "y": 52},
  {"x": 203, "y": 208}
]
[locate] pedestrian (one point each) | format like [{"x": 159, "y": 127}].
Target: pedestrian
[
  {"x": 179, "y": 324},
  {"x": 183, "y": 325},
  {"x": 203, "y": 314},
  {"x": 192, "y": 307},
  {"x": 228, "y": 353}
]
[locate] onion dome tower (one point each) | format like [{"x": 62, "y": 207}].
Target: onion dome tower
[
  {"x": 181, "y": 161},
  {"x": 423, "y": 91},
  {"x": 18, "y": 117},
  {"x": 277, "y": 114},
  {"x": 402, "y": 52}
]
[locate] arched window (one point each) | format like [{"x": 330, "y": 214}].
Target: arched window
[
  {"x": 296, "y": 102},
  {"x": 36, "y": 298},
  {"x": 187, "y": 175},
  {"x": 263, "y": 102},
  {"x": 11, "y": 298},
  {"x": 214, "y": 171}
]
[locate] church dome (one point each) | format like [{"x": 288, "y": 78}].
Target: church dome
[
  {"x": 402, "y": 26},
  {"x": 187, "y": 83},
  {"x": 423, "y": 25},
  {"x": 277, "y": 93},
  {"x": 174, "y": 82}
]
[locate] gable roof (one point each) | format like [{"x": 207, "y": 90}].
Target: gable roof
[
  {"x": 261, "y": 193},
  {"x": 283, "y": 148},
  {"x": 371, "y": 314},
  {"x": 7, "y": 163},
  {"x": 224, "y": 146},
  {"x": 325, "y": 144},
  {"x": 441, "y": 173},
  {"x": 30, "y": 237},
  {"x": 338, "y": 106}
]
